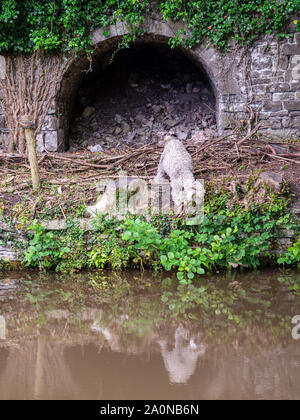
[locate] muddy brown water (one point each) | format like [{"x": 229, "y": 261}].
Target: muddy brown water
[{"x": 138, "y": 336}]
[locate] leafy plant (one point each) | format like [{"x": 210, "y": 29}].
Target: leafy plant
[
  {"x": 66, "y": 25},
  {"x": 231, "y": 236},
  {"x": 44, "y": 249},
  {"x": 292, "y": 256}
]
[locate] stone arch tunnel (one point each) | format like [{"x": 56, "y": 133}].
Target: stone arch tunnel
[
  {"x": 136, "y": 96},
  {"x": 272, "y": 87}
]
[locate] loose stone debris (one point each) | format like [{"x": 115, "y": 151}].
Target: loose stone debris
[{"x": 140, "y": 98}]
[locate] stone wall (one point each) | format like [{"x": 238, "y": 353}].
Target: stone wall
[
  {"x": 7, "y": 253},
  {"x": 274, "y": 73},
  {"x": 266, "y": 78}
]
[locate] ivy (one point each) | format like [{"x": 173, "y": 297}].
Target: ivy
[
  {"x": 66, "y": 25},
  {"x": 228, "y": 238}
]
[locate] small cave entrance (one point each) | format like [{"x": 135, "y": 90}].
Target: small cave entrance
[{"x": 144, "y": 93}]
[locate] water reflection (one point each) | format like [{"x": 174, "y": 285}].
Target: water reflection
[
  {"x": 45, "y": 370},
  {"x": 181, "y": 360},
  {"x": 135, "y": 348},
  {"x": 2, "y": 328}
]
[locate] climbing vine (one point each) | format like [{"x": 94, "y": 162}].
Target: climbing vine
[{"x": 66, "y": 25}]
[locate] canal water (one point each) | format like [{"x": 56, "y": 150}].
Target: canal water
[{"x": 134, "y": 335}]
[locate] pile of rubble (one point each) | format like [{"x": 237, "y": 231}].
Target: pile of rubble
[{"x": 142, "y": 110}]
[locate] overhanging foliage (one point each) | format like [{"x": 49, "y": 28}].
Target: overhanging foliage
[{"x": 66, "y": 25}]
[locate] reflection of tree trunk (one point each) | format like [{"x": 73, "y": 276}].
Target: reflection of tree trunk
[
  {"x": 39, "y": 368},
  {"x": 2, "y": 328}
]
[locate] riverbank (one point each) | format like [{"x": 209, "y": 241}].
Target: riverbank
[
  {"x": 230, "y": 236},
  {"x": 69, "y": 180},
  {"x": 251, "y": 213}
]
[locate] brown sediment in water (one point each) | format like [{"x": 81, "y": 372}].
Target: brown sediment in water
[{"x": 106, "y": 337}]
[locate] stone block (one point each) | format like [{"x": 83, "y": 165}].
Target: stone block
[
  {"x": 255, "y": 74},
  {"x": 7, "y": 253},
  {"x": 272, "y": 179},
  {"x": 286, "y": 233},
  {"x": 277, "y": 134},
  {"x": 297, "y": 38},
  {"x": 61, "y": 135},
  {"x": 290, "y": 49},
  {"x": 50, "y": 123},
  {"x": 295, "y": 86},
  {"x": 273, "y": 123},
  {"x": 283, "y": 63},
  {"x": 260, "y": 89},
  {"x": 52, "y": 108},
  {"x": 239, "y": 107},
  {"x": 262, "y": 63},
  {"x": 263, "y": 97},
  {"x": 292, "y": 105},
  {"x": 279, "y": 114},
  {"x": 2, "y": 67},
  {"x": 223, "y": 107},
  {"x": 260, "y": 81},
  {"x": 286, "y": 122},
  {"x": 272, "y": 106},
  {"x": 40, "y": 142},
  {"x": 284, "y": 96},
  {"x": 226, "y": 121},
  {"x": 280, "y": 87},
  {"x": 51, "y": 141},
  {"x": 291, "y": 27},
  {"x": 295, "y": 123},
  {"x": 285, "y": 241}
]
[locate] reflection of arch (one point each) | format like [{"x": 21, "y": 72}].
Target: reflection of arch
[{"x": 158, "y": 33}]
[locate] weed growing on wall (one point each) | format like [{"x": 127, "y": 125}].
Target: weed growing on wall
[
  {"x": 65, "y": 25},
  {"x": 230, "y": 237}
]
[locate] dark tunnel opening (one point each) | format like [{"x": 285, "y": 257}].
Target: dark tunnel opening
[{"x": 144, "y": 93}]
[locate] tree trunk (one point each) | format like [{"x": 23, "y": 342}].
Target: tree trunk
[{"x": 31, "y": 150}]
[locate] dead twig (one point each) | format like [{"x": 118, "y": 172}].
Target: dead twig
[
  {"x": 251, "y": 134},
  {"x": 76, "y": 161},
  {"x": 297, "y": 162},
  {"x": 62, "y": 210}
]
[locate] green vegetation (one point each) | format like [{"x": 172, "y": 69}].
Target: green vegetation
[
  {"x": 66, "y": 25},
  {"x": 230, "y": 237},
  {"x": 292, "y": 256}
]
